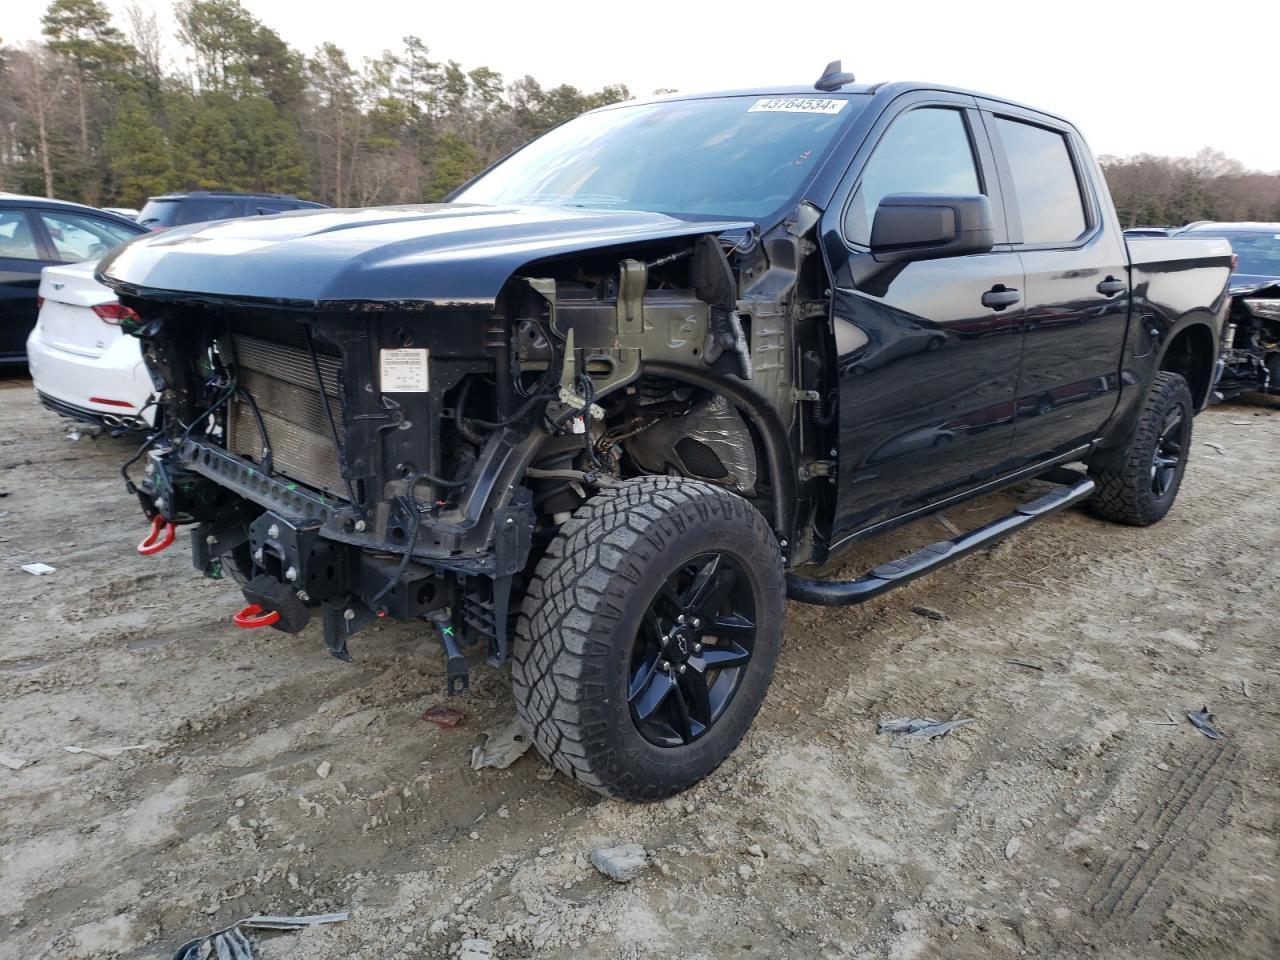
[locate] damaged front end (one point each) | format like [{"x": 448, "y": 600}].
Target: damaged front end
[
  {"x": 1250, "y": 357},
  {"x": 409, "y": 459}
]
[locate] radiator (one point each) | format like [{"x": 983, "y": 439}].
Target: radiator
[{"x": 282, "y": 382}]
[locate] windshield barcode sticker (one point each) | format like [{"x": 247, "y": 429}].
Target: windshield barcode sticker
[
  {"x": 404, "y": 371},
  {"x": 797, "y": 105}
]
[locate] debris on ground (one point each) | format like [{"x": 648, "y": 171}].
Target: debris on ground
[
  {"x": 324, "y": 769},
  {"x": 231, "y": 943},
  {"x": 1215, "y": 446},
  {"x": 475, "y": 949},
  {"x": 920, "y": 726},
  {"x": 445, "y": 717},
  {"x": 73, "y": 435},
  {"x": 265, "y": 922},
  {"x": 1025, "y": 663},
  {"x": 622, "y": 863},
  {"x": 1012, "y": 847},
  {"x": 38, "y": 569},
  {"x": 109, "y": 753},
  {"x": 13, "y": 763},
  {"x": 1202, "y": 720},
  {"x": 502, "y": 747},
  {"x": 929, "y": 613}
]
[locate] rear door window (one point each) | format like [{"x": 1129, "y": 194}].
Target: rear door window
[
  {"x": 17, "y": 239},
  {"x": 184, "y": 210},
  {"x": 1050, "y": 205},
  {"x": 927, "y": 150},
  {"x": 76, "y": 237}
]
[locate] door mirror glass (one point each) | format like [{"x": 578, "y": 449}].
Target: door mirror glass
[{"x": 913, "y": 226}]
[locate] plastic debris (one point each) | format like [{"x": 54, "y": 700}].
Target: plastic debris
[
  {"x": 262, "y": 922},
  {"x": 1202, "y": 720},
  {"x": 38, "y": 569},
  {"x": 501, "y": 747},
  {"x": 1012, "y": 847},
  {"x": 475, "y": 949},
  {"x": 231, "y": 943},
  {"x": 920, "y": 726},
  {"x": 73, "y": 435},
  {"x": 443, "y": 716},
  {"x": 13, "y": 763},
  {"x": 109, "y": 753},
  {"x": 621, "y": 864},
  {"x": 929, "y": 613},
  {"x": 1025, "y": 663},
  {"x": 1215, "y": 446},
  {"x": 324, "y": 769}
]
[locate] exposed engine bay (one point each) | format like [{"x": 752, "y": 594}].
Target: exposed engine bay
[
  {"x": 410, "y": 460},
  {"x": 1251, "y": 343}
]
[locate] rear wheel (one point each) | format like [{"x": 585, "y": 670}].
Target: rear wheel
[
  {"x": 648, "y": 636},
  {"x": 1142, "y": 489}
]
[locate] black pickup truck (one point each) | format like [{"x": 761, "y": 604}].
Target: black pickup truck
[{"x": 599, "y": 410}]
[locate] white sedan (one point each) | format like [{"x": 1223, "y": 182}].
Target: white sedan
[{"x": 84, "y": 364}]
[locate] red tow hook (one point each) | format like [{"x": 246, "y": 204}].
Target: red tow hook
[
  {"x": 160, "y": 537},
  {"x": 254, "y": 616}
]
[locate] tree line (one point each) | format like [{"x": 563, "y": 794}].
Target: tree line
[
  {"x": 97, "y": 113},
  {"x": 94, "y": 113}
]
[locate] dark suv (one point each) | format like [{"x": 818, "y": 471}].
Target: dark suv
[{"x": 177, "y": 209}]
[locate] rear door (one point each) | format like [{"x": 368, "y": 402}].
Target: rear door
[
  {"x": 926, "y": 370},
  {"x": 22, "y": 256},
  {"x": 1076, "y": 301}
]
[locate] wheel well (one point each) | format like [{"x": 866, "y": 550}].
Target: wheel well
[{"x": 1191, "y": 353}]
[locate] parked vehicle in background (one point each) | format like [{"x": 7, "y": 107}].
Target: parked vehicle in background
[
  {"x": 35, "y": 233},
  {"x": 1251, "y": 336},
  {"x": 83, "y": 363},
  {"x": 199, "y": 206},
  {"x": 1256, "y": 246},
  {"x": 596, "y": 412},
  {"x": 1149, "y": 231},
  {"x": 129, "y": 213}
]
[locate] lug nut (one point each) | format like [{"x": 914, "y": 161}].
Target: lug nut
[
  {"x": 291, "y": 574},
  {"x": 680, "y": 619},
  {"x": 664, "y": 666},
  {"x": 348, "y": 614},
  {"x": 681, "y": 669},
  {"x": 664, "y": 640},
  {"x": 211, "y": 539},
  {"x": 360, "y": 526},
  {"x": 273, "y": 531},
  {"x": 303, "y": 596},
  {"x": 695, "y": 623},
  {"x": 697, "y": 648},
  {"x": 257, "y": 555}
]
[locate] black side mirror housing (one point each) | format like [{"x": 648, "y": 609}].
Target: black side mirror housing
[{"x": 926, "y": 226}]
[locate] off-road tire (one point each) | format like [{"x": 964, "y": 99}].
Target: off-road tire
[
  {"x": 1125, "y": 494},
  {"x": 581, "y": 613}
]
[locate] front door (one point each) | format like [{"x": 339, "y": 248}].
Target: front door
[
  {"x": 20, "y": 263},
  {"x": 927, "y": 353}
]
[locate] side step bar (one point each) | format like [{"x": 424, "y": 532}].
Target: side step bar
[{"x": 842, "y": 593}]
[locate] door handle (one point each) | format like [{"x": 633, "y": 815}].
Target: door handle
[
  {"x": 1111, "y": 286},
  {"x": 1000, "y": 296}
]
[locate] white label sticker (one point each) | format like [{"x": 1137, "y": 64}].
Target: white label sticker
[
  {"x": 404, "y": 371},
  {"x": 797, "y": 105}
]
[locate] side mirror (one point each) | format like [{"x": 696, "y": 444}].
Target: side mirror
[{"x": 925, "y": 226}]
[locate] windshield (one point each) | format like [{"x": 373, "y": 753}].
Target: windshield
[
  {"x": 728, "y": 157},
  {"x": 1258, "y": 253},
  {"x": 175, "y": 212}
]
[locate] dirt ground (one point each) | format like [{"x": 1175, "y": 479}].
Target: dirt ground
[{"x": 1066, "y": 821}]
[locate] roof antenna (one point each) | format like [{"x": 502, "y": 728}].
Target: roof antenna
[{"x": 832, "y": 78}]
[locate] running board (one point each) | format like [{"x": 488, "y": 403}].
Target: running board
[{"x": 842, "y": 593}]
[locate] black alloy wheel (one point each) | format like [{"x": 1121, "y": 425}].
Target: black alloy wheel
[
  {"x": 691, "y": 650},
  {"x": 1171, "y": 448}
]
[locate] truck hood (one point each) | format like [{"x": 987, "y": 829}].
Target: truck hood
[{"x": 439, "y": 254}]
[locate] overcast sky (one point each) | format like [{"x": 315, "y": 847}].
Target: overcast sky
[{"x": 1135, "y": 76}]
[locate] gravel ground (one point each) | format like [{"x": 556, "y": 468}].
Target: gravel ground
[{"x": 1070, "y": 819}]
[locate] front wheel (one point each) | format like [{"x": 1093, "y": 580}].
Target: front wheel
[
  {"x": 1142, "y": 489},
  {"x": 648, "y": 636}
]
